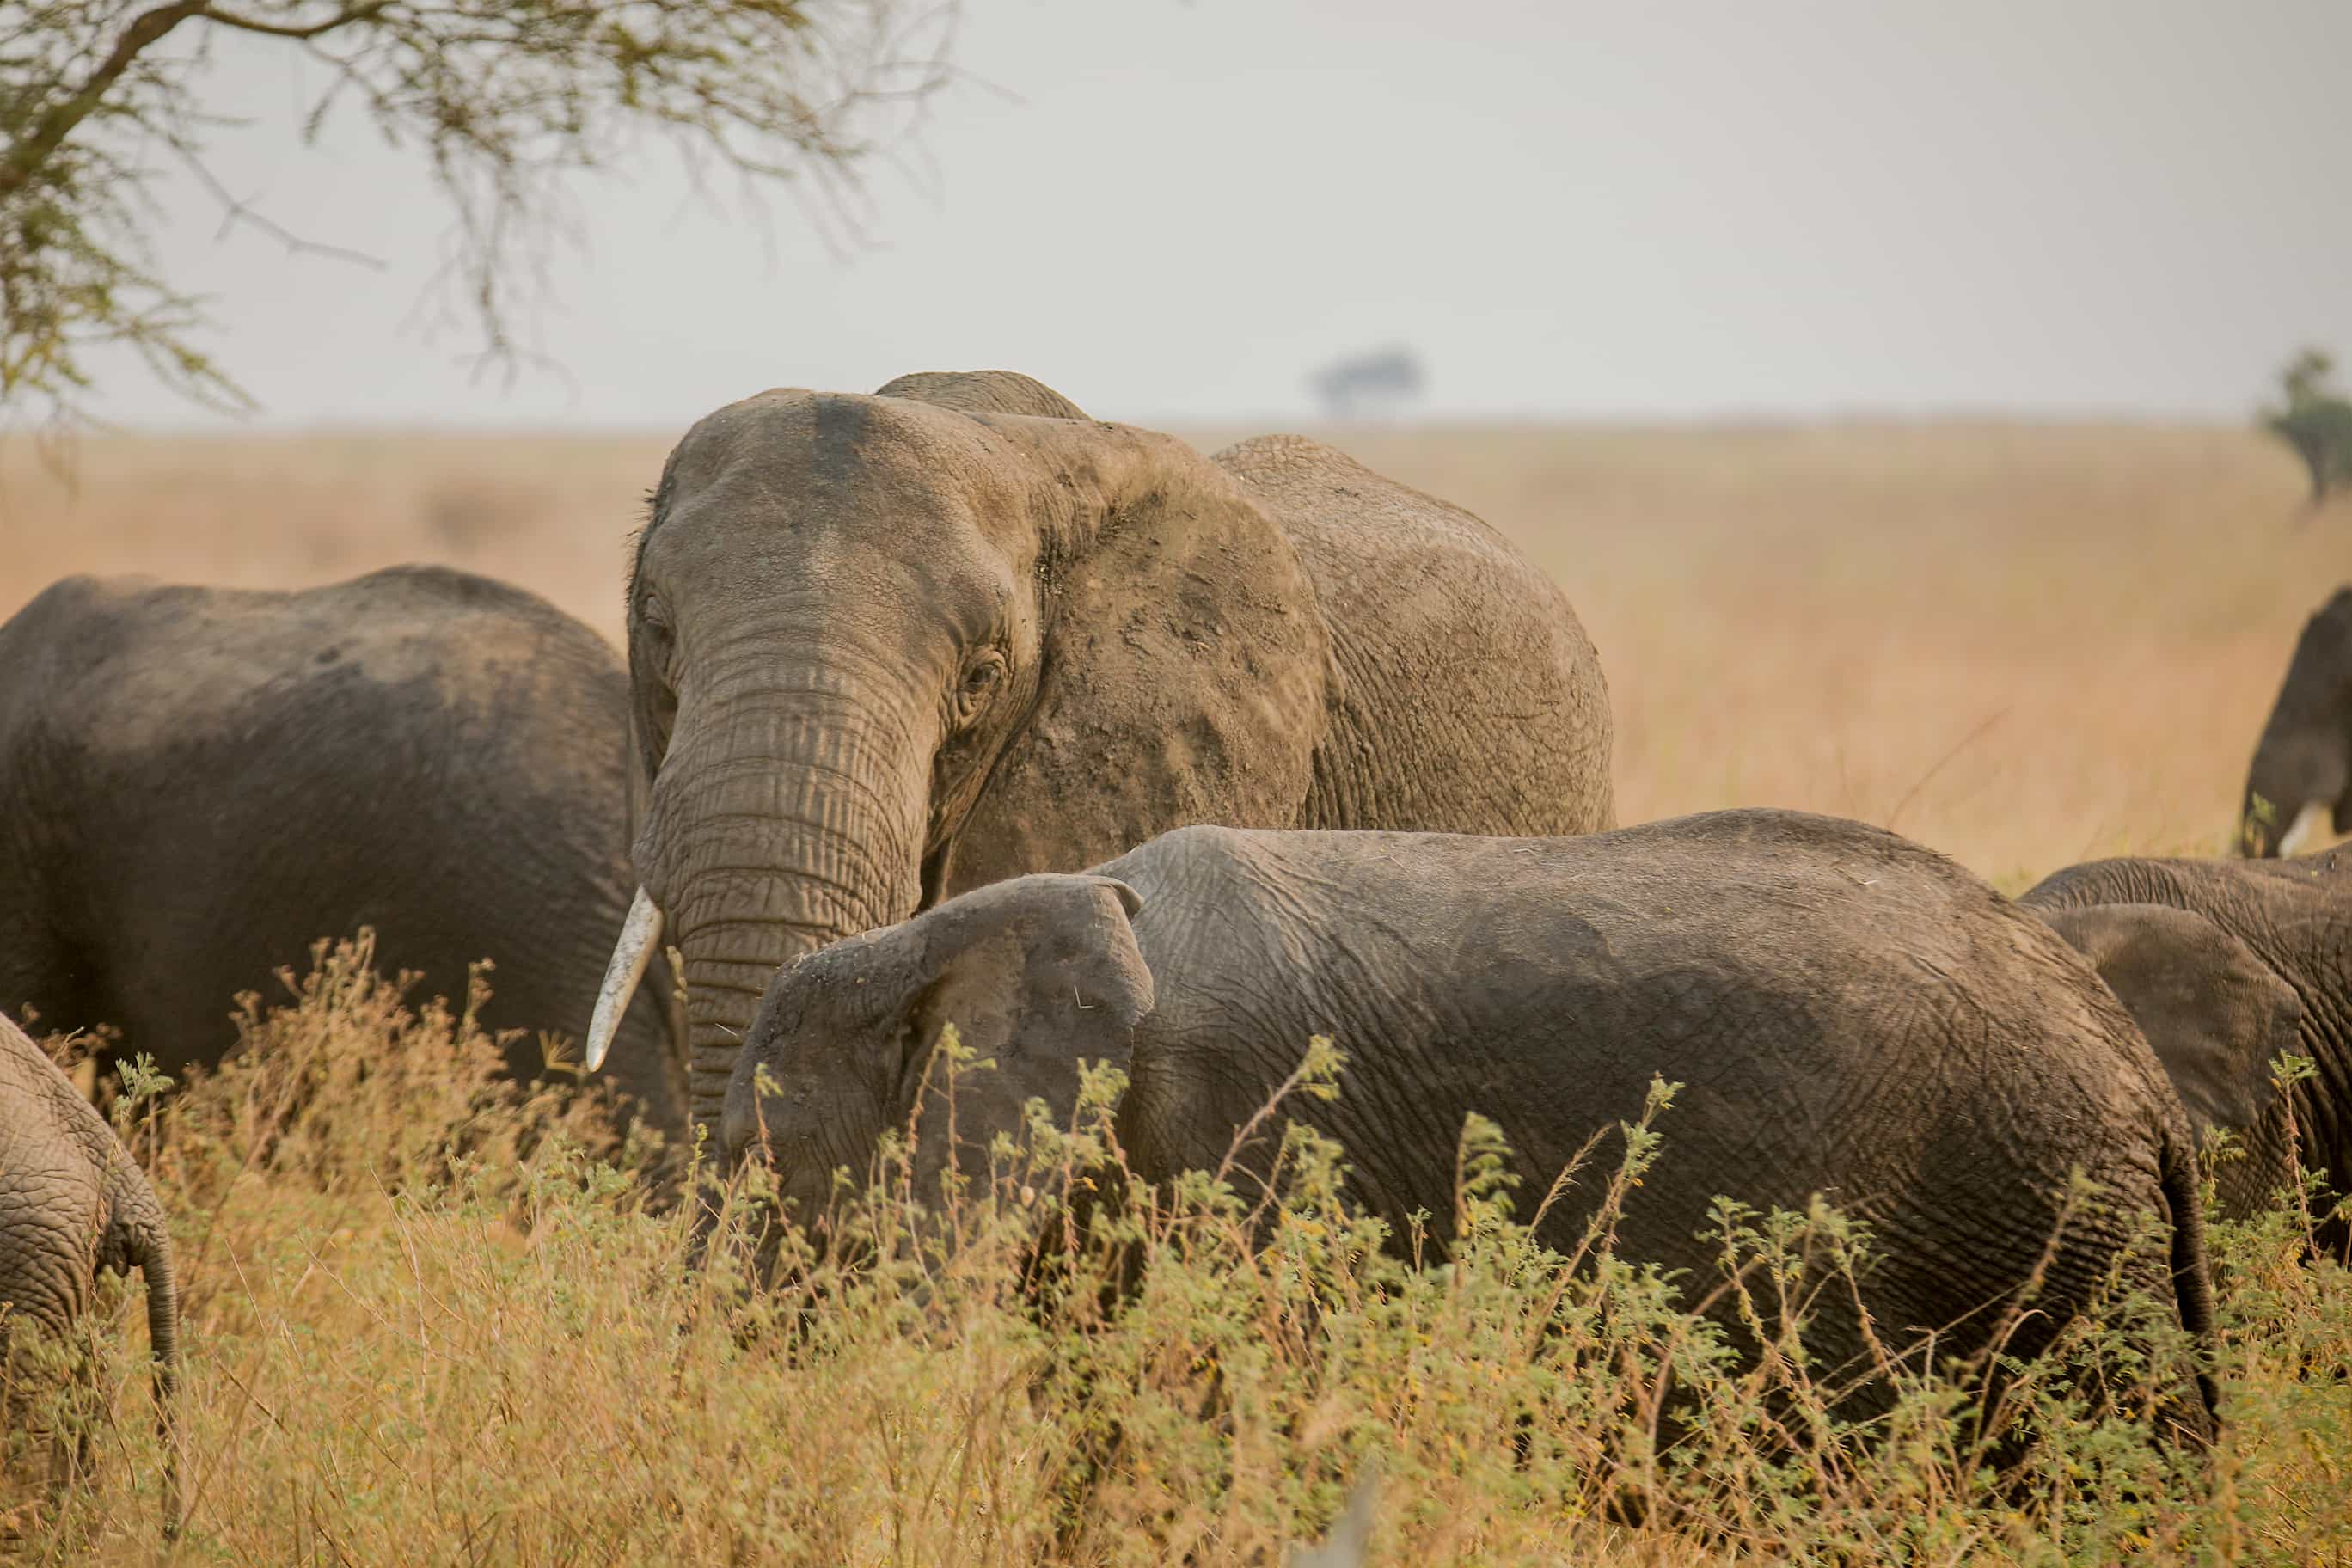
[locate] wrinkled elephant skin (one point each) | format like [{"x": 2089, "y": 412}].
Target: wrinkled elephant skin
[
  {"x": 73, "y": 1202},
  {"x": 1852, "y": 1016},
  {"x": 203, "y": 783},
  {"x": 2229, "y": 964},
  {"x": 889, "y": 648}
]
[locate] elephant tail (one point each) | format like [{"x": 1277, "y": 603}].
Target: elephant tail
[
  {"x": 2192, "y": 1274},
  {"x": 149, "y": 1247}
]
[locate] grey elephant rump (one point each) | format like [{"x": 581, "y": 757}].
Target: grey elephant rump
[
  {"x": 1424, "y": 595},
  {"x": 1811, "y": 983},
  {"x": 52, "y": 1202},
  {"x": 72, "y": 1203},
  {"x": 225, "y": 778}
]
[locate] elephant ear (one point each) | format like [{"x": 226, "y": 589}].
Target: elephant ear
[
  {"x": 2214, "y": 1012},
  {"x": 1042, "y": 967},
  {"x": 1184, "y": 667},
  {"x": 983, "y": 392}
]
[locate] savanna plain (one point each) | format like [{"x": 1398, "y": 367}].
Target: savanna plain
[{"x": 428, "y": 1319}]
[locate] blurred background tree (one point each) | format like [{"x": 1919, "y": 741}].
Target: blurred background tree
[
  {"x": 2315, "y": 421},
  {"x": 502, "y": 99}
]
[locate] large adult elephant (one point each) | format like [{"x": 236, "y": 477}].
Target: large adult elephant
[
  {"x": 888, "y": 648},
  {"x": 2299, "y": 786},
  {"x": 1851, "y": 1015},
  {"x": 198, "y": 783},
  {"x": 2226, "y": 964}
]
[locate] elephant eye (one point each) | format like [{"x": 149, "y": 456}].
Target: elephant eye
[
  {"x": 656, "y": 634},
  {"x": 980, "y": 683}
]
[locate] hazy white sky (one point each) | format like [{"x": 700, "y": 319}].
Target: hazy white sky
[{"x": 1634, "y": 209}]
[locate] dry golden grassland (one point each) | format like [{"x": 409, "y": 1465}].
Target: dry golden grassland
[
  {"x": 420, "y": 1327},
  {"x": 2021, "y": 644}
]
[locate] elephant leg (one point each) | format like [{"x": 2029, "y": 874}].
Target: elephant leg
[{"x": 74, "y": 1415}]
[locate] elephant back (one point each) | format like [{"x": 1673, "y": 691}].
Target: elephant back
[
  {"x": 982, "y": 392},
  {"x": 1469, "y": 698},
  {"x": 1861, "y": 1017},
  {"x": 226, "y": 777}
]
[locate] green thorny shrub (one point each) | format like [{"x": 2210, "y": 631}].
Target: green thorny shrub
[{"x": 423, "y": 1324}]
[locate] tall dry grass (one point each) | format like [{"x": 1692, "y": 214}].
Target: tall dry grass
[
  {"x": 424, "y": 1326},
  {"x": 2021, "y": 644},
  {"x": 421, "y": 1327}
]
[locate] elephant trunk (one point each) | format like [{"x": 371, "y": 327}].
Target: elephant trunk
[
  {"x": 2296, "y": 787},
  {"x": 780, "y": 823},
  {"x": 2300, "y": 783},
  {"x": 146, "y": 1245}
]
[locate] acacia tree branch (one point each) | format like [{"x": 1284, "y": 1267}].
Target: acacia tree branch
[
  {"x": 504, "y": 102},
  {"x": 49, "y": 133},
  {"x": 301, "y": 34},
  {"x": 235, "y": 211}
]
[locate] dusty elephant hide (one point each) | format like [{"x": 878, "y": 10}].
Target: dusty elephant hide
[
  {"x": 886, "y": 649},
  {"x": 1851, "y": 1016},
  {"x": 2228, "y": 965},
  {"x": 73, "y": 1202},
  {"x": 203, "y": 783}
]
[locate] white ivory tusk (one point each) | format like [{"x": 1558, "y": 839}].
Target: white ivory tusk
[
  {"x": 2312, "y": 825},
  {"x": 640, "y": 935}
]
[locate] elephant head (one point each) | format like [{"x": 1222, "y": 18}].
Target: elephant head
[
  {"x": 1034, "y": 973},
  {"x": 2235, "y": 963},
  {"x": 2214, "y": 1013},
  {"x": 884, "y": 648},
  {"x": 2301, "y": 780}
]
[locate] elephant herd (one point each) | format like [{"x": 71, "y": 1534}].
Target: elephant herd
[{"x": 950, "y": 705}]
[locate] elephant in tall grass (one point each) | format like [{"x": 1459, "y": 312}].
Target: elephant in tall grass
[
  {"x": 2299, "y": 785},
  {"x": 888, "y": 648},
  {"x": 1852, "y": 1016},
  {"x": 2229, "y": 964},
  {"x": 198, "y": 783},
  {"x": 73, "y": 1203}
]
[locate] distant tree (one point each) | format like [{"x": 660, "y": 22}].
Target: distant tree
[
  {"x": 502, "y": 99},
  {"x": 1368, "y": 382},
  {"x": 2315, "y": 422}
]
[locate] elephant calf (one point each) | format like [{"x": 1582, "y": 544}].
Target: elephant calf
[
  {"x": 1852, "y": 1015},
  {"x": 2226, "y": 964},
  {"x": 72, "y": 1202},
  {"x": 201, "y": 783}
]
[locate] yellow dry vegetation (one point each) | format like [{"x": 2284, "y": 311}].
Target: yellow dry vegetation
[
  {"x": 2022, "y": 644},
  {"x": 421, "y": 1326}
]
